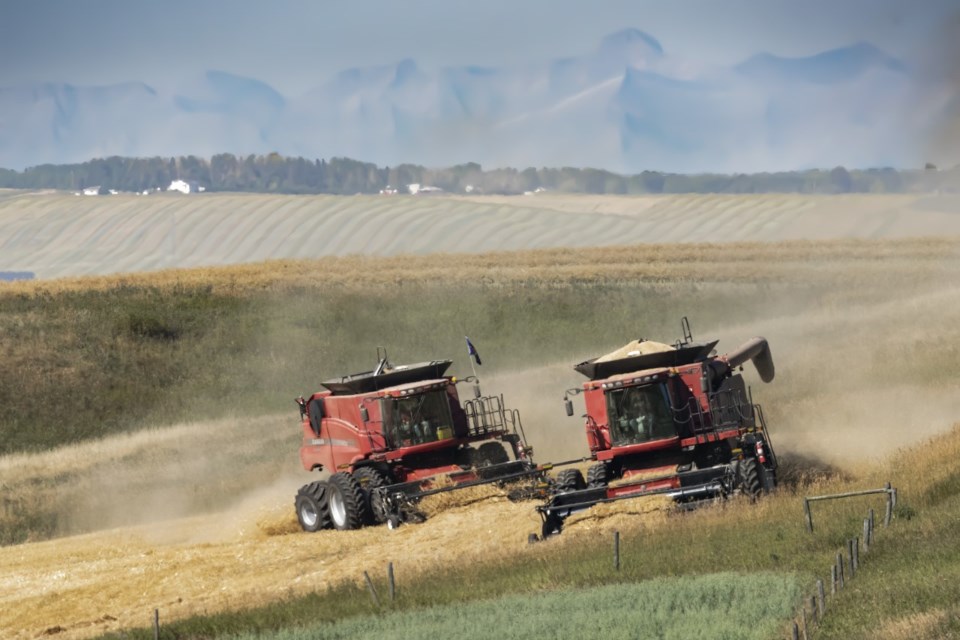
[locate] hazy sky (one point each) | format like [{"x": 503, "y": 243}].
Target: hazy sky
[{"x": 297, "y": 44}]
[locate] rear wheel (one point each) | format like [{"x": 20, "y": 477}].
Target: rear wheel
[
  {"x": 370, "y": 480},
  {"x": 313, "y": 511},
  {"x": 489, "y": 454},
  {"x": 346, "y": 502},
  {"x": 570, "y": 480},
  {"x": 598, "y": 476},
  {"x": 749, "y": 478}
]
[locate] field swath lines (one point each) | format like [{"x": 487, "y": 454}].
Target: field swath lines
[{"x": 57, "y": 235}]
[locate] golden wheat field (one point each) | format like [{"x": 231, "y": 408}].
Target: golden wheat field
[
  {"x": 867, "y": 367},
  {"x": 56, "y": 234}
]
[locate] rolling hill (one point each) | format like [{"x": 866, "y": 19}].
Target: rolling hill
[{"x": 58, "y": 235}]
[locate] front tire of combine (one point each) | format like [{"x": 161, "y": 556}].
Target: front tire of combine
[
  {"x": 313, "y": 510},
  {"x": 346, "y": 502},
  {"x": 370, "y": 480},
  {"x": 749, "y": 478},
  {"x": 489, "y": 454},
  {"x": 570, "y": 480},
  {"x": 597, "y": 476}
]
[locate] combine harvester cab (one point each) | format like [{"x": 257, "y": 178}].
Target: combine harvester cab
[
  {"x": 394, "y": 435},
  {"x": 674, "y": 420}
]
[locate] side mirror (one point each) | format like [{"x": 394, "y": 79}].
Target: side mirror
[
  {"x": 568, "y": 403},
  {"x": 364, "y": 414},
  {"x": 476, "y": 389}
]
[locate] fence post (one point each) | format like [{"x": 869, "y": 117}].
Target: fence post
[
  {"x": 616, "y": 550},
  {"x": 393, "y": 586},
  {"x": 834, "y": 576},
  {"x": 807, "y": 516},
  {"x": 821, "y": 599},
  {"x": 796, "y": 631},
  {"x": 814, "y": 611},
  {"x": 156, "y": 624},
  {"x": 803, "y": 619},
  {"x": 373, "y": 590},
  {"x": 873, "y": 522},
  {"x": 851, "y": 554},
  {"x": 866, "y": 535},
  {"x": 840, "y": 570},
  {"x": 889, "y": 514}
]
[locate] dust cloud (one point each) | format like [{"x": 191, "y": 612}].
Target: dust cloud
[
  {"x": 855, "y": 382},
  {"x": 537, "y": 393},
  {"x": 153, "y": 475}
]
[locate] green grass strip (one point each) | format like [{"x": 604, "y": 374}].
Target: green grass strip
[{"x": 723, "y": 605}]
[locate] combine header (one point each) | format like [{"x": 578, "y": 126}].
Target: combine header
[
  {"x": 674, "y": 420},
  {"x": 394, "y": 435}
]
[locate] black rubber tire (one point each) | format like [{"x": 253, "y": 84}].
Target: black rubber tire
[
  {"x": 570, "y": 480},
  {"x": 552, "y": 525},
  {"x": 489, "y": 454},
  {"x": 313, "y": 511},
  {"x": 749, "y": 478},
  {"x": 465, "y": 457},
  {"x": 597, "y": 476},
  {"x": 345, "y": 501},
  {"x": 369, "y": 480}
]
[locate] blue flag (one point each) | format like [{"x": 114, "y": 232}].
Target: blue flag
[{"x": 472, "y": 351}]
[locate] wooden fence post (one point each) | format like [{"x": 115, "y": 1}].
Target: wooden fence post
[
  {"x": 873, "y": 522},
  {"x": 853, "y": 569},
  {"x": 814, "y": 612},
  {"x": 393, "y": 586},
  {"x": 616, "y": 550},
  {"x": 834, "y": 576},
  {"x": 889, "y": 514},
  {"x": 373, "y": 590},
  {"x": 866, "y": 535},
  {"x": 807, "y": 516},
  {"x": 156, "y": 624},
  {"x": 796, "y": 631},
  {"x": 840, "y": 570}
]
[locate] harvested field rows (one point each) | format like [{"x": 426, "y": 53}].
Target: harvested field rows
[{"x": 58, "y": 235}]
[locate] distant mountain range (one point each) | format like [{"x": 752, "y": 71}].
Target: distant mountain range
[{"x": 627, "y": 106}]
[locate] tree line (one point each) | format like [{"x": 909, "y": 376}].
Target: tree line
[{"x": 274, "y": 173}]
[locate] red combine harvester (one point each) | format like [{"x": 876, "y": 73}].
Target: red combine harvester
[
  {"x": 674, "y": 420},
  {"x": 394, "y": 435}
]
